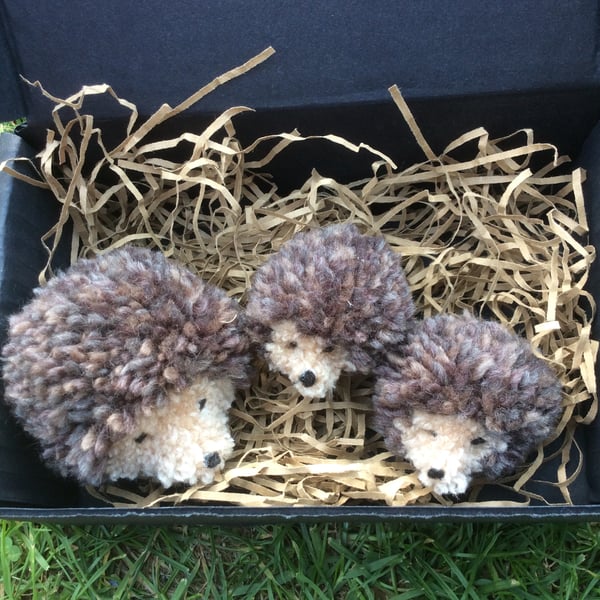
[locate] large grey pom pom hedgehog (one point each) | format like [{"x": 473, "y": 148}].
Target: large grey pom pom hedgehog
[
  {"x": 330, "y": 300},
  {"x": 124, "y": 366},
  {"x": 465, "y": 397}
]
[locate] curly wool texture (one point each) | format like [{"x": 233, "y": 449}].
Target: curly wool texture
[
  {"x": 111, "y": 339},
  {"x": 475, "y": 369},
  {"x": 335, "y": 283}
]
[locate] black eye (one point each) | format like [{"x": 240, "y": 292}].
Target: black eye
[
  {"x": 478, "y": 441},
  {"x": 431, "y": 433},
  {"x": 140, "y": 438},
  {"x": 201, "y": 403},
  {"x": 329, "y": 348},
  {"x": 292, "y": 344}
]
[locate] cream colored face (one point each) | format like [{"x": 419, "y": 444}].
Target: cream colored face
[
  {"x": 311, "y": 363},
  {"x": 447, "y": 450},
  {"x": 186, "y": 441}
]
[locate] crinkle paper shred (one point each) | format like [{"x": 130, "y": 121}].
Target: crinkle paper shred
[{"x": 492, "y": 234}]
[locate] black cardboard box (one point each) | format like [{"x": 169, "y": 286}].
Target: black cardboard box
[{"x": 460, "y": 65}]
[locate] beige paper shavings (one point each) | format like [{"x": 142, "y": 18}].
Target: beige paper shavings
[{"x": 493, "y": 234}]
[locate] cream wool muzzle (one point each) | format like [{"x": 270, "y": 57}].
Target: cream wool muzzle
[
  {"x": 310, "y": 362},
  {"x": 185, "y": 441},
  {"x": 446, "y": 450}
]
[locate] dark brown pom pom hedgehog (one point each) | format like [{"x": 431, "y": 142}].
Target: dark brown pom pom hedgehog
[
  {"x": 124, "y": 366},
  {"x": 466, "y": 397},
  {"x": 330, "y": 300}
]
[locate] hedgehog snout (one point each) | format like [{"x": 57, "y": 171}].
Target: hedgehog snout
[
  {"x": 187, "y": 440},
  {"x": 446, "y": 485},
  {"x": 312, "y": 364},
  {"x": 436, "y": 473},
  {"x": 446, "y": 450},
  {"x": 212, "y": 460},
  {"x": 308, "y": 378},
  {"x": 316, "y": 382}
]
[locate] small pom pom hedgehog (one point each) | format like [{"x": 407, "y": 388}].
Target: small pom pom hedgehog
[
  {"x": 465, "y": 397},
  {"x": 124, "y": 366},
  {"x": 330, "y": 300}
]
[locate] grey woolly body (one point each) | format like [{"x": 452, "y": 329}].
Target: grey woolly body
[
  {"x": 334, "y": 283},
  {"x": 476, "y": 369},
  {"x": 108, "y": 340}
]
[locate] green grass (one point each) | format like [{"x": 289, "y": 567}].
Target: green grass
[
  {"x": 9, "y": 127},
  {"x": 479, "y": 561}
]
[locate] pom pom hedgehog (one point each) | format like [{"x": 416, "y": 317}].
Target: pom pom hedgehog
[
  {"x": 464, "y": 398},
  {"x": 124, "y": 366},
  {"x": 330, "y": 300}
]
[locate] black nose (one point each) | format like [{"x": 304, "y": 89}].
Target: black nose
[
  {"x": 436, "y": 473},
  {"x": 212, "y": 460},
  {"x": 308, "y": 378}
]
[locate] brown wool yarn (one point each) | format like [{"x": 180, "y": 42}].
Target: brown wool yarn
[
  {"x": 478, "y": 376},
  {"x": 125, "y": 338},
  {"x": 335, "y": 285}
]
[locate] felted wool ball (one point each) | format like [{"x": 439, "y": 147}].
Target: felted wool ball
[
  {"x": 465, "y": 398},
  {"x": 330, "y": 300},
  {"x": 124, "y": 366}
]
